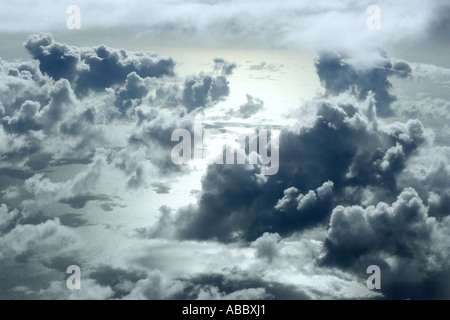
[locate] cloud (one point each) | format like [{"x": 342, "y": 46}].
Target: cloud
[
  {"x": 120, "y": 281},
  {"x": 266, "y": 246},
  {"x": 252, "y": 106},
  {"x": 380, "y": 185},
  {"x": 89, "y": 290},
  {"x": 400, "y": 238},
  {"x": 43, "y": 192},
  {"x": 135, "y": 89},
  {"x": 213, "y": 293},
  {"x": 41, "y": 241},
  {"x": 263, "y": 65},
  {"x": 295, "y": 210},
  {"x": 204, "y": 90},
  {"x": 267, "y": 24},
  {"x": 94, "y": 69},
  {"x": 7, "y": 217},
  {"x": 224, "y": 66},
  {"x": 156, "y": 286},
  {"x": 345, "y": 148},
  {"x": 338, "y": 74}
]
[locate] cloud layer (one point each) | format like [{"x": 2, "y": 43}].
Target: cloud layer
[{"x": 87, "y": 178}]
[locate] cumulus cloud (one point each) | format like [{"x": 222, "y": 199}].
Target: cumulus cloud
[
  {"x": 41, "y": 241},
  {"x": 204, "y": 90},
  {"x": 94, "y": 69},
  {"x": 266, "y": 246},
  {"x": 338, "y": 74},
  {"x": 155, "y": 286},
  {"x": 345, "y": 150},
  {"x": 7, "y": 216},
  {"x": 400, "y": 238}
]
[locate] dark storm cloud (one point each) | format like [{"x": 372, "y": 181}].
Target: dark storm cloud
[
  {"x": 400, "y": 238},
  {"x": 232, "y": 285},
  {"x": 59, "y": 117},
  {"x": 344, "y": 168},
  {"x": 72, "y": 220},
  {"x": 7, "y": 217},
  {"x": 120, "y": 280},
  {"x": 131, "y": 95},
  {"x": 55, "y": 59},
  {"x": 338, "y": 74},
  {"x": 94, "y": 69},
  {"x": 345, "y": 147},
  {"x": 296, "y": 210},
  {"x": 401, "y": 229},
  {"x": 203, "y": 90}
]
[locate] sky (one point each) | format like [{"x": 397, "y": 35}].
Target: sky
[{"x": 339, "y": 110}]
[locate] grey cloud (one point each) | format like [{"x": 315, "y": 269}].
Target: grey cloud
[
  {"x": 233, "y": 285},
  {"x": 80, "y": 200},
  {"x": 7, "y": 217},
  {"x": 161, "y": 187},
  {"x": 345, "y": 147},
  {"x": 55, "y": 59},
  {"x": 26, "y": 118},
  {"x": 401, "y": 238},
  {"x": 213, "y": 293},
  {"x": 94, "y": 69},
  {"x": 72, "y": 220},
  {"x": 429, "y": 174},
  {"x": 40, "y": 241},
  {"x": 38, "y": 129},
  {"x": 224, "y": 66},
  {"x": 155, "y": 286},
  {"x": 203, "y": 90},
  {"x": 22, "y": 81},
  {"x": 338, "y": 74},
  {"x": 263, "y": 65},
  {"x": 296, "y": 210},
  {"x": 40, "y": 191},
  {"x": 121, "y": 281},
  {"x": 131, "y": 95},
  {"x": 266, "y": 246},
  {"x": 252, "y": 106}
]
